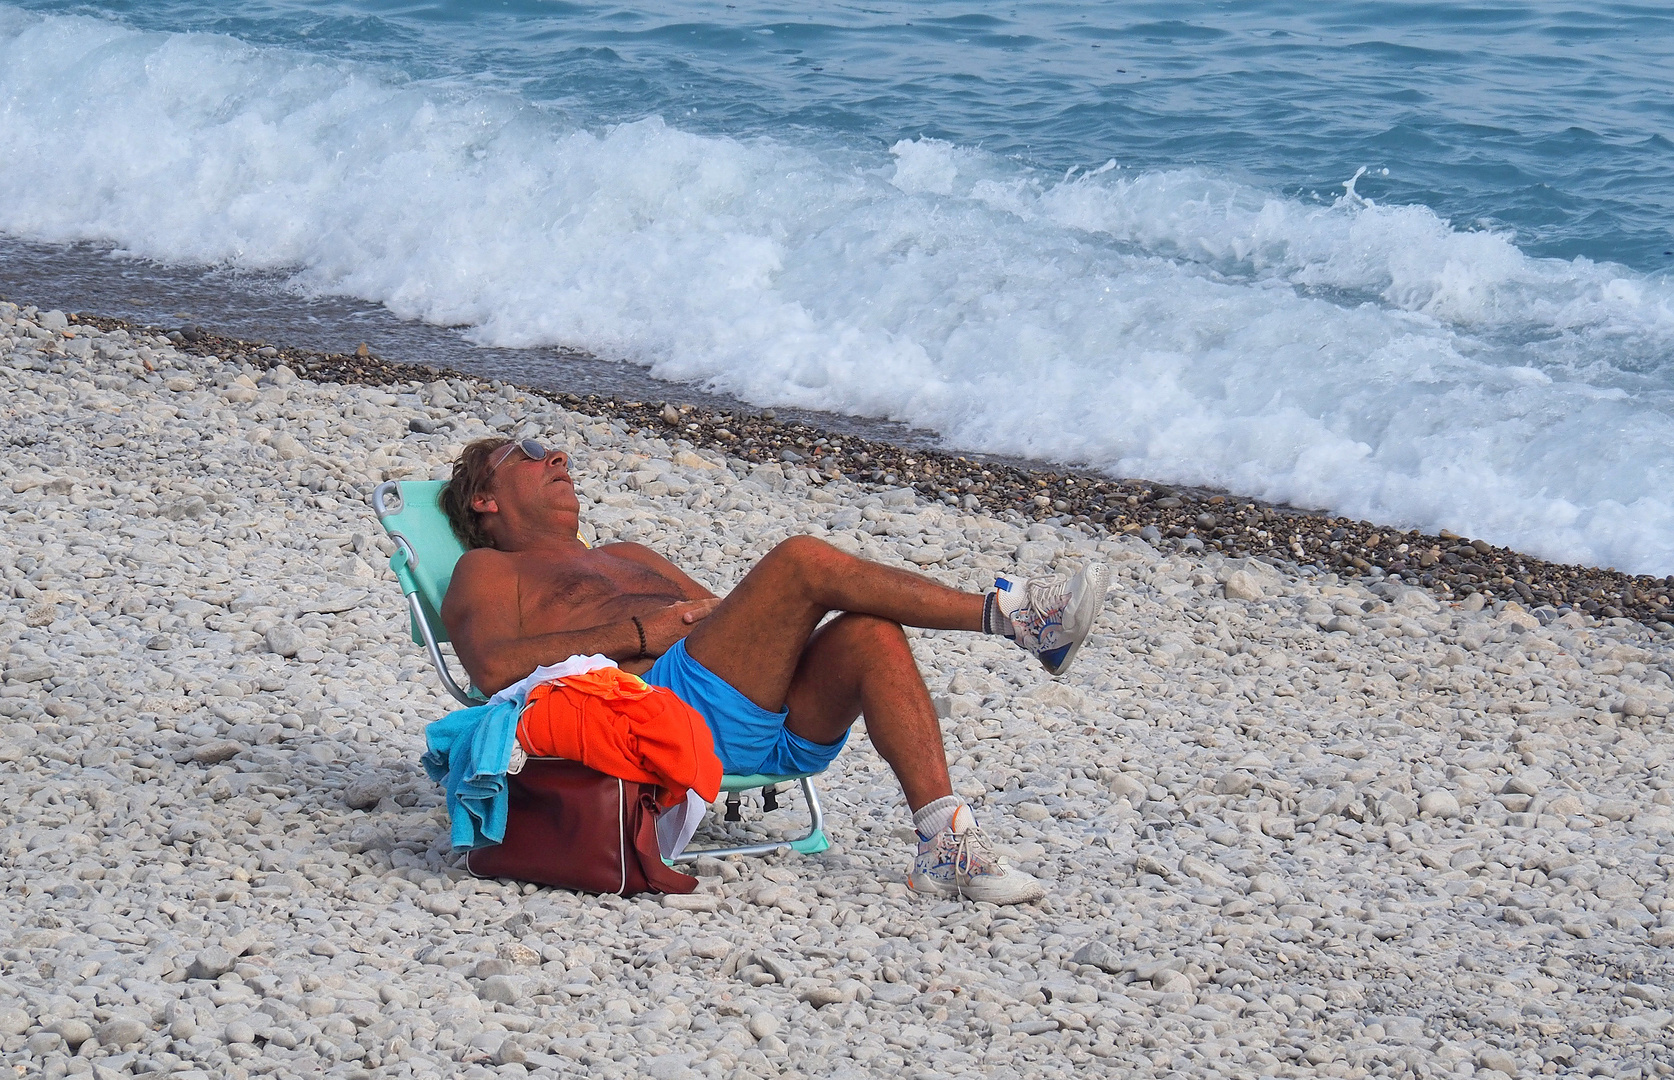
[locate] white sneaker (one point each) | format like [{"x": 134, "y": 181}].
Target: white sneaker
[
  {"x": 960, "y": 862},
  {"x": 1049, "y": 616}
]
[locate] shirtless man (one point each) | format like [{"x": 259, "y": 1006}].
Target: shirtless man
[{"x": 778, "y": 690}]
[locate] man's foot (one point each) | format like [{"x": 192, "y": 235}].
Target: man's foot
[
  {"x": 1048, "y": 616},
  {"x": 960, "y": 862}
]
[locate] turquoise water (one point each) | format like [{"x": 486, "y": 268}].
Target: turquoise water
[
  {"x": 1551, "y": 120},
  {"x": 1405, "y": 260}
]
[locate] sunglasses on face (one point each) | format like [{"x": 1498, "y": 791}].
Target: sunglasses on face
[{"x": 529, "y": 448}]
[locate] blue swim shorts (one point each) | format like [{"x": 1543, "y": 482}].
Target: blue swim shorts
[{"x": 748, "y": 738}]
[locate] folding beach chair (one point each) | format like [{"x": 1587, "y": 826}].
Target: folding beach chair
[{"x": 425, "y": 553}]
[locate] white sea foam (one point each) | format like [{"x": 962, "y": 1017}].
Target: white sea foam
[{"x": 1174, "y": 325}]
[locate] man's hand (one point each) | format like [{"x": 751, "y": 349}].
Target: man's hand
[{"x": 670, "y": 624}]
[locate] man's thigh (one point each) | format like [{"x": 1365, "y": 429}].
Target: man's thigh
[{"x": 755, "y": 637}]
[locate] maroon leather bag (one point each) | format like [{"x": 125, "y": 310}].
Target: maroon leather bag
[{"x": 577, "y": 828}]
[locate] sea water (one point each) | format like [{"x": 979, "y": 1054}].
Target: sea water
[{"x": 1406, "y": 261}]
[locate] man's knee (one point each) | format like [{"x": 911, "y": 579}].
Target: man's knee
[
  {"x": 806, "y": 555},
  {"x": 873, "y": 636}
]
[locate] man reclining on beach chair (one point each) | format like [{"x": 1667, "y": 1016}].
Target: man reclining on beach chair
[{"x": 778, "y": 690}]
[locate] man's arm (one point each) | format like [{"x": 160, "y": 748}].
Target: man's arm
[{"x": 480, "y": 612}]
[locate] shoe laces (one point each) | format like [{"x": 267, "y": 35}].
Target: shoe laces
[
  {"x": 1048, "y": 596},
  {"x": 1049, "y": 593},
  {"x": 971, "y": 848}
]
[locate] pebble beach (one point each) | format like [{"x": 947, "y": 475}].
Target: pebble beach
[{"x": 1292, "y": 822}]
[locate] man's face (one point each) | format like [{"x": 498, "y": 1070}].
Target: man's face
[{"x": 525, "y": 488}]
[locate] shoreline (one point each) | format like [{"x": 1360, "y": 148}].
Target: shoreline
[{"x": 1196, "y": 520}]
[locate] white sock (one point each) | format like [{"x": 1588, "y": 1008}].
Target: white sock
[
  {"x": 995, "y": 620},
  {"x": 937, "y": 816}
]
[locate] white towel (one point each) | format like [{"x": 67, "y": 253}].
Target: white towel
[{"x": 575, "y": 665}]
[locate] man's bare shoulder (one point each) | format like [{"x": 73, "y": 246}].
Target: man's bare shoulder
[
  {"x": 485, "y": 571},
  {"x": 627, "y": 549},
  {"x": 641, "y": 555},
  {"x": 478, "y": 569},
  {"x": 478, "y": 561}
]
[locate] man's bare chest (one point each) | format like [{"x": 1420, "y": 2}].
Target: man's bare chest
[{"x": 587, "y": 581}]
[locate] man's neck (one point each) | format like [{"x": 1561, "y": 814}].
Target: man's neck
[{"x": 554, "y": 538}]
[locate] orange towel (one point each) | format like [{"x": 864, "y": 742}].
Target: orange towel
[{"x": 616, "y": 723}]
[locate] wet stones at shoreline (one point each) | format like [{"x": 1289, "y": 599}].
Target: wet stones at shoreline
[{"x": 1185, "y": 518}]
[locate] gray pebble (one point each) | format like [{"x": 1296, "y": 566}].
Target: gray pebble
[
  {"x": 285, "y": 640},
  {"x": 29, "y": 671},
  {"x": 501, "y": 989},
  {"x": 43, "y": 1043},
  {"x": 1443, "y": 804},
  {"x": 210, "y": 963},
  {"x": 820, "y": 996},
  {"x": 365, "y": 794},
  {"x": 14, "y": 1021},
  {"x": 776, "y": 967},
  {"x": 73, "y": 1032},
  {"x": 220, "y": 750},
  {"x": 121, "y": 1031},
  {"x": 1241, "y": 585},
  {"x": 1100, "y": 955}
]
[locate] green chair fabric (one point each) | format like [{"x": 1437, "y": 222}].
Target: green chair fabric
[{"x": 426, "y": 551}]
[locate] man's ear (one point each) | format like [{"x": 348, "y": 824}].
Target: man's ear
[{"x": 484, "y": 503}]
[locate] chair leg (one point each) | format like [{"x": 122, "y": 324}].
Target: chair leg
[
  {"x": 815, "y": 842},
  {"x": 812, "y": 843}
]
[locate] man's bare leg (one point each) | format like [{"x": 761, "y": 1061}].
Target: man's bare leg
[
  {"x": 861, "y": 664},
  {"x": 761, "y": 639},
  {"x": 755, "y": 637}
]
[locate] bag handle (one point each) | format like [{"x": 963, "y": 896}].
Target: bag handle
[{"x": 658, "y": 874}]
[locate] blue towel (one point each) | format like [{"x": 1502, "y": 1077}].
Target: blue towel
[{"x": 468, "y": 753}]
